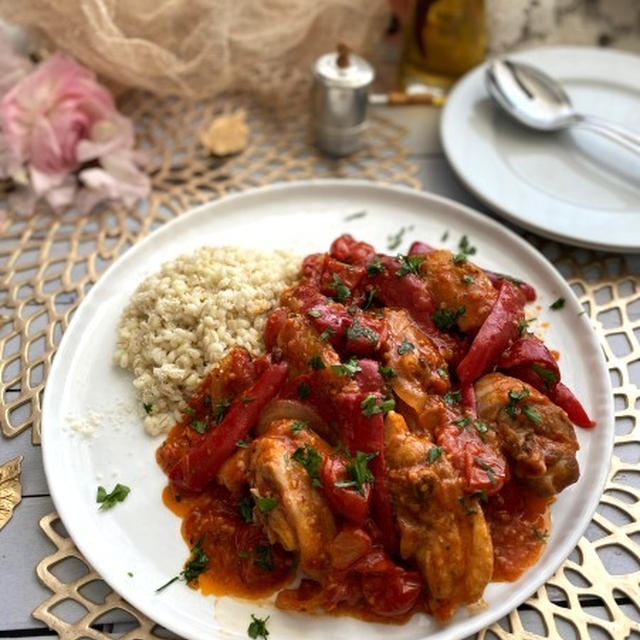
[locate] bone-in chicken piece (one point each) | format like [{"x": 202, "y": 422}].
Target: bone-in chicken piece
[
  {"x": 443, "y": 529},
  {"x": 536, "y": 436},
  {"x": 455, "y": 284},
  {"x": 419, "y": 368},
  {"x": 300, "y": 520}
]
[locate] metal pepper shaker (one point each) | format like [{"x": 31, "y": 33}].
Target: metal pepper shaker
[{"x": 340, "y": 97}]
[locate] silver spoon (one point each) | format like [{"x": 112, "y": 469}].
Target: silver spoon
[{"x": 538, "y": 101}]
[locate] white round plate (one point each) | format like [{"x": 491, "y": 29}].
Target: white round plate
[
  {"x": 141, "y": 537},
  {"x": 573, "y": 186}
]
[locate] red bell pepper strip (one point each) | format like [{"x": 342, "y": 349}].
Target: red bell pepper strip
[
  {"x": 529, "y": 359},
  {"x": 418, "y": 247},
  {"x": 468, "y": 394},
  {"x": 564, "y": 398},
  {"x": 366, "y": 433},
  {"x": 496, "y": 278},
  {"x": 369, "y": 378},
  {"x": 347, "y": 249},
  {"x": 347, "y": 501},
  {"x": 530, "y": 350},
  {"x": 199, "y": 465},
  {"x": 495, "y": 334}
]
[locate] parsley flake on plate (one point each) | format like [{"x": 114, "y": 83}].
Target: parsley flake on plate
[
  {"x": 109, "y": 500},
  {"x": 258, "y": 628}
]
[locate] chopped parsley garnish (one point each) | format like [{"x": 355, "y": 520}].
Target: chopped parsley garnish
[
  {"x": 532, "y": 413},
  {"x": 514, "y": 396},
  {"x": 394, "y": 240},
  {"x": 311, "y": 460},
  {"x": 108, "y": 500},
  {"x": 558, "y": 304},
  {"x": 304, "y": 389},
  {"x": 375, "y": 266},
  {"x": 467, "y": 509},
  {"x": 341, "y": 289},
  {"x": 359, "y": 472},
  {"x": 264, "y": 559},
  {"x": 196, "y": 564},
  {"x": 374, "y": 404},
  {"x": 468, "y": 278},
  {"x": 148, "y": 408},
  {"x": 247, "y": 400},
  {"x": 199, "y": 425},
  {"x": 541, "y": 535},
  {"x": 242, "y": 444},
  {"x": 243, "y": 554},
  {"x": 444, "y": 237},
  {"x": 443, "y": 372},
  {"x": 298, "y": 425},
  {"x": 548, "y": 375},
  {"x": 264, "y": 503},
  {"x": 387, "y": 372},
  {"x": 445, "y": 318},
  {"x": 464, "y": 250},
  {"x": 371, "y": 294},
  {"x": 488, "y": 469},
  {"x": 316, "y": 362},
  {"x": 405, "y": 347},
  {"x": 314, "y": 313},
  {"x": 358, "y": 330},
  {"x": 462, "y": 421},
  {"x": 523, "y": 325},
  {"x": 329, "y": 331},
  {"x": 220, "y": 408},
  {"x": 190, "y": 410},
  {"x": 481, "y": 427},
  {"x": 258, "y": 628},
  {"x": 409, "y": 264},
  {"x": 348, "y": 368},
  {"x": 453, "y": 397},
  {"x": 355, "y": 216},
  {"x": 245, "y": 507},
  {"x": 434, "y": 453}
]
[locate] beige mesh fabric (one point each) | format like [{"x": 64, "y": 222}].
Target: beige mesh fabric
[{"x": 198, "y": 48}]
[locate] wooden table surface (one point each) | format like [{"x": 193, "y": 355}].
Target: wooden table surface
[{"x": 23, "y": 545}]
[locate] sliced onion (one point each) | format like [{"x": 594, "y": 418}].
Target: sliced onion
[{"x": 282, "y": 409}]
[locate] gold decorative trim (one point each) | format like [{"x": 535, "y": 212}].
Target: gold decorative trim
[{"x": 10, "y": 488}]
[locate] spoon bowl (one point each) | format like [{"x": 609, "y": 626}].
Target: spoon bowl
[{"x": 538, "y": 101}]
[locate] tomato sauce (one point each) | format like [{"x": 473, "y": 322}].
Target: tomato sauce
[
  {"x": 242, "y": 562},
  {"x": 519, "y": 522}
]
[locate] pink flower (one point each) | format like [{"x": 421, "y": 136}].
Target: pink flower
[
  {"x": 56, "y": 119},
  {"x": 48, "y": 112}
]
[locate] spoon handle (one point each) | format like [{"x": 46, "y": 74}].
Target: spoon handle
[{"x": 625, "y": 137}]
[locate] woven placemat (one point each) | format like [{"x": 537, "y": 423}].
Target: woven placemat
[{"x": 47, "y": 263}]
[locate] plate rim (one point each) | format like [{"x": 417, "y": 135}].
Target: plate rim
[
  {"x": 475, "y": 187},
  {"x": 473, "y": 623}
]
